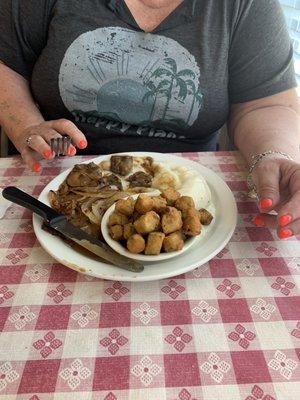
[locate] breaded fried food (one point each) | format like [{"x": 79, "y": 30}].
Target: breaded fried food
[
  {"x": 171, "y": 220},
  {"x": 171, "y": 195},
  {"x": 190, "y": 212},
  {"x": 116, "y": 232},
  {"x": 159, "y": 204},
  {"x": 117, "y": 219},
  {"x": 205, "y": 216},
  {"x": 144, "y": 204},
  {"x": 147, "y": 223},
  {"x": 136, "y": 244},
  {"x": 173, "y": 242},
  {"x": 129, "y": 230},
  {"x": 154, "y": 243},
  {"x": 125, "y": 206},
  {"x": 191, "y": 224},
  {"x": 184, "y": 203}
]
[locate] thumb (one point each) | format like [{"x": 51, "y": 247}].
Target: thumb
[{"x": 266, "y": 179}]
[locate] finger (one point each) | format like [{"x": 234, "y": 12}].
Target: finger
[
  {"x": 266, "y": 220},
  {"x": 290, "y": 211},
  {"x": 267, "y": 178},
  {"x": 288, "y": 231},
  {"x": 66, "y": 127},
  {"x": 40, "y": 145},
  {"x": 31, "y": 159}
]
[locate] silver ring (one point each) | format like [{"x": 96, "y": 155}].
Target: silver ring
[{"x": 28, "y": 140}]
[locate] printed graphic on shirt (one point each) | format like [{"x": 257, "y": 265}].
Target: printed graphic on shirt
[{"x": 133, "y": 77}]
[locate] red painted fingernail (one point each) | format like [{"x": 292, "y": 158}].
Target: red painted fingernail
[
  {"x": 285, "y": 233},
  {"x": 47, "y": 153},
  {"x": 258, "y": 221},
  {"x": 72, "y": 150},
  {"x": 36, "y": 167},
  {"x": 285, "y": 220},
  {"x": 82, "y": 144},
  {"x": 265, "y": 203}
]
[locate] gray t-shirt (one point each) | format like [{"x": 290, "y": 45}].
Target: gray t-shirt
[{"x": 168, "y": 90}]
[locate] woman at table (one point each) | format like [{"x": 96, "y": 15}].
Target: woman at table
[{"x": 156, "y": 75}]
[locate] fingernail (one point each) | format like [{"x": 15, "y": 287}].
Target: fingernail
[
  {"x": 265, "y": 203},
  {"x": 258, "y": 221},
  {"x": 36, "y": 167},
  {"x": 285, "y": 233},
  {"x": 72, "y": 151},
  {"x": 285, "y": 220},
  {"x": 82, "y": 144},
  {"x": 47, "y": 153}
]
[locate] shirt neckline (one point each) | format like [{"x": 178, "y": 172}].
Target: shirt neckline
[{"x": 182, "y": 14}]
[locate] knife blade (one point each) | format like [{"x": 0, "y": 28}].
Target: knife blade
[{"x": 60, "y": 224}]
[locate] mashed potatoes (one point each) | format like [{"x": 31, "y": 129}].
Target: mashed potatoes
[{"x": 188, "y": 182}]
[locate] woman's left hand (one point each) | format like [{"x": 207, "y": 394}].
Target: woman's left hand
[{"x": 278, "y": 185}]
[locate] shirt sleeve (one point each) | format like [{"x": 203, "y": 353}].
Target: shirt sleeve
[
  {"x": 23, "y": 33},
  {"x": 261, "y": 53}
]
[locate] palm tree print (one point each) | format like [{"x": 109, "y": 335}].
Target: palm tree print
[
  {"x": 197, "y": 96},
  {"x": 153, "y": 92},
  {"x": 173, "y": 79}
]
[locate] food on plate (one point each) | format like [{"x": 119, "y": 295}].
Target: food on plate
[
  {"x": 116, "y": 232},
  {"x": 121, "y": 165},
  {"x": 144, "y": 204},
  {"x": 171, "y": 220},
  {"x": 140, "y": 179},
  {"x": 182, "y": 197},
  {"x": 154, "y": 243},
  {"x": 125, "y": 206},
  {"x": 173, "y": 242},
  {"x": 191, "y": 225},
  {"x": 184, "y": 203},
  {"x": 155, "y": 227},
  {"x": 159, "y": 204},
  {"x": 171, "y": 195},
  {"x": 205, "y": 216},
  {"x": 147, "y": 223},
  {"x": 186, "y": 181},
  {"x": 129, "y": 230},
  {"x": 136, "y": 244},
  {"x": 116, "y": 218}
]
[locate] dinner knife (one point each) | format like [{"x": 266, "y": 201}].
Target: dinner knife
[{"x": 60, "y": 224}]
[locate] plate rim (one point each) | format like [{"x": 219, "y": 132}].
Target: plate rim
[{"x": 117, "y": 274}]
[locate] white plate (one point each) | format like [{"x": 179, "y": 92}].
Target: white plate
[
  {"x": 205, "y": 248},
  {"x": 119, "y": 248}
]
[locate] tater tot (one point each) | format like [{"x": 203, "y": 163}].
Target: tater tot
[
  {"x": 171, "y": 220},
  {"x": 190, "y": 212},
  {"x": 117, "y": 219},
  {"x": 205, "y": 216},
  {"x": 171, "y": 195},
  {"x": 154, "y": 243},
  {"x": 191, "y": 225},
  {"x": 136, "y": 244},
  {"x": 116, "y": 232},
  {"x": 125, "y": 206},
  {"x": 159, "y": 204},
  {"x": 147, "y": 223},
  {"x": 129, "y": 230},
  {"x": 184, "y": 203},
  {"x": 144, "y": 204},
  {"x": 173, "y": 242}
]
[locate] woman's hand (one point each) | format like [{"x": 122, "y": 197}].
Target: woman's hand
[
  {"x": 40, "y": 136},
  {"x": 278, "y": 185}
]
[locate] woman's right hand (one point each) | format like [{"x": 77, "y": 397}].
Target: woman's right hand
[{"x": 33, "y": 142}]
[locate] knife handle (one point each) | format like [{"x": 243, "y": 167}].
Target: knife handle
[{"x": 31, "y": 203}]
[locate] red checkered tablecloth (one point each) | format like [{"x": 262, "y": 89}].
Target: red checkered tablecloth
[{"x": 228, "y": 330}]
